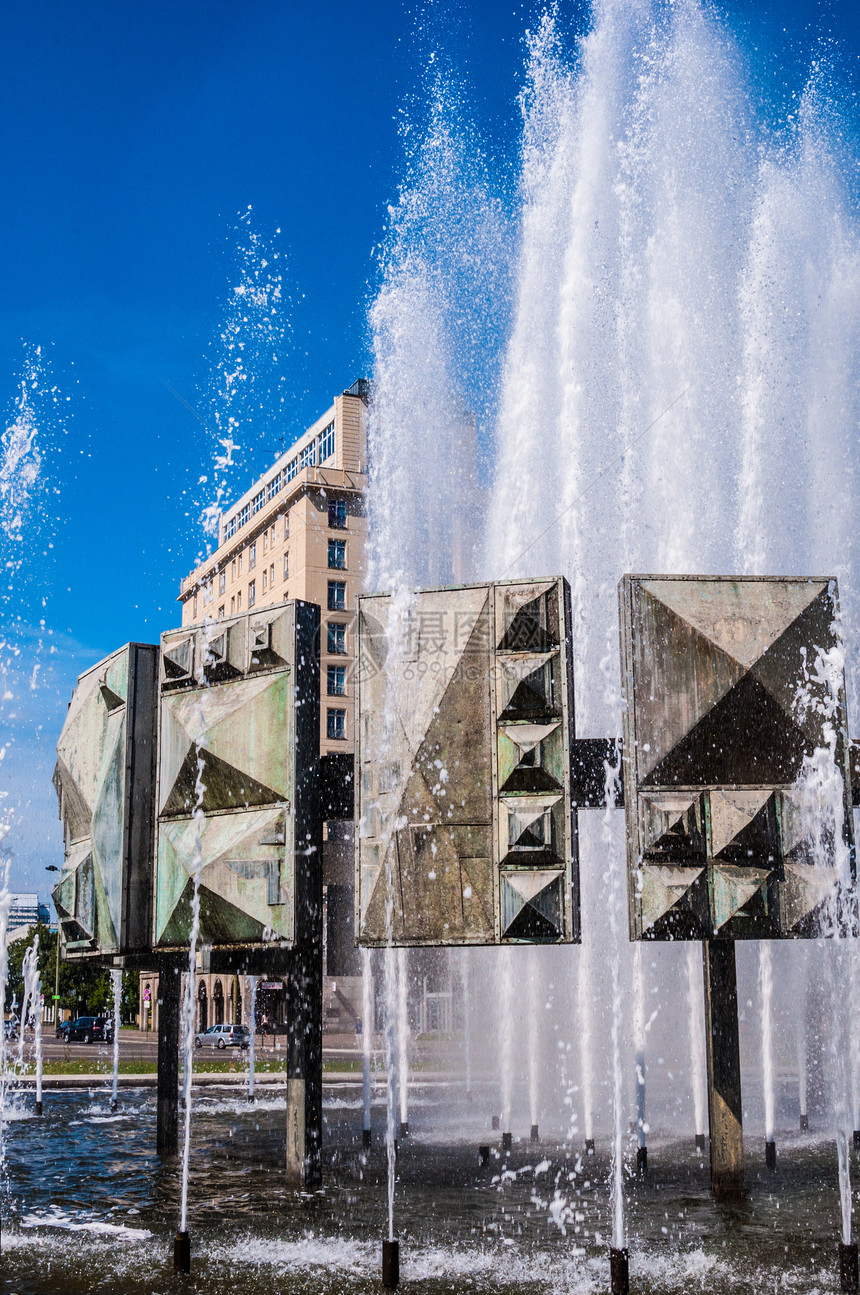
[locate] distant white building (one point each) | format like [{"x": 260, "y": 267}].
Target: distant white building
[{"x": 25, "y": 911}]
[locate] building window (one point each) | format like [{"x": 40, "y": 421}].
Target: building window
[
  {"x": 272, "y": 540},
  {"x": 233, "y": 569},
  {"x": 337, "y": 595},
  {"x": 222, "y": 582},
  {"x": 336, "y": 638},
  {"x": 194, "y": 606},
  {"x": 286, "y": 526},
  {"x": 308, "y": 456},
  {"x": 240, "y": 564},
  {"x": 239, "y": 601},
  {"x": 252, "y": 557},
  {"x": 336, "y": 680},
  {"x": 272, "y": 576},
  {"x": 258, "y": 501},
  {"x": 252, "y": 593},
  {"x": 326, "y": 443},
  {"x": 337, "y": 554},
  {"x": 265, "y": 581},
  {"x": 265, "y": 541},
  {"x": 286, "y": 566},
  {"x": 221, "y": 612},
  {"x": 335, "y": 729},
  {"x": 337, "y": 514},
  {"x": 233, "y": 606}
]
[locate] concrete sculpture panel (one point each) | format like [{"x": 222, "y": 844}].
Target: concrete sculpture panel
[
  {"x": 464, "y": 704},
  {"x": 237, "y": 775},
  {"x": 105, "y": 778},
  {"x": 736, "y": 781}
]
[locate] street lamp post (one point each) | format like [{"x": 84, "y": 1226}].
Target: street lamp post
[{"x": 51, "y": 868}]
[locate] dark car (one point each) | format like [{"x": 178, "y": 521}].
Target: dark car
[
  {"x": 63, "y": 1029},
  {"x": 90, "y": 1029}
]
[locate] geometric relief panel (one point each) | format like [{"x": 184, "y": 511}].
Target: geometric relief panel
[
  {"x": 735, "y": 703},
  {"x": 228, "y": 794},
  {"x": 103, "y": 780},
  {"x": 463, "y": 736}
]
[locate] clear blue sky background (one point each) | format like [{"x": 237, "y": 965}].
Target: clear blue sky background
[{"x": 133, "y": 136}]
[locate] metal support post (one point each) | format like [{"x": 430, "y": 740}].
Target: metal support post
[
  {"x": 169, "y": 992},
  {"x": 724, "y": 1069}
]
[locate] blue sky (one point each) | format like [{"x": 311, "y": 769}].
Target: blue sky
[{"x": 133, "y": 139}]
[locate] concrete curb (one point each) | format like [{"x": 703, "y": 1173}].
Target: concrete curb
[{"x": 332, "y": 1079}]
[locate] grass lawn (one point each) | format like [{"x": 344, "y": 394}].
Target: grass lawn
[{"x": 87, "y": 1066}]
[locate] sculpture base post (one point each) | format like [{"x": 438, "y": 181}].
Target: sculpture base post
[
  {"x": 167, "y": 1127},
  {"x": 724, "y": 1069}
]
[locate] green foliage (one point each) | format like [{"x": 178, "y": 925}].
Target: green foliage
[{"x": 84, "y": 990}]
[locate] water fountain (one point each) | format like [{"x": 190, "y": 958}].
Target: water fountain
[{"x": 650, "y": 378}]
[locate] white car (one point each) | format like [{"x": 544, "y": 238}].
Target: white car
[{"x": 224, "y": 1036}]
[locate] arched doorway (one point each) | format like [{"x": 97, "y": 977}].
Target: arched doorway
[
  {"x": 218, "y": 1003},
  {"x": 202, "y": 1008}
]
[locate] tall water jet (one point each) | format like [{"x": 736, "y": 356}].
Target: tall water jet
[
  {"x": 116, "y": 988},
  {"x": 854, "y": 1041},
  {"x": 800, "y": 1039},
  {"x": 533, "y": 1045},
  {"x": 403, "y": 1038},
  {"x": 367, "y": 1024},
  {"x": 696, "y": 1036},
  {"x": 466, "y": 982},
  {"x": 639, "y": 1057},
  {"x": 586, "y": 1060},
  {"x": 765, "y": 972},
  {"x": 253, "y": 982},
  {"x": 5, "y": 905},
  {"x": 36, "y": 1000},
  {"x": 182, "y": 1243},
  {"x": 506, "y": 1041}
]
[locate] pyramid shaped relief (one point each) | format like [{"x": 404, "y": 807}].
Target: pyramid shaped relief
[
  {"x": 532, "y": 905},
  {"x": 530, "y": 757},
  {"x": 472, "y": 695},
  {"x": 726, "y": 708},
  {"x": 242, "y": 868},
  {"x": 233, "y": 738},
  {"x": 529, "y": 619}
]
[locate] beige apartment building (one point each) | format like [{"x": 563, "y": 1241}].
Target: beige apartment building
[{"x": 299, "y": 532}]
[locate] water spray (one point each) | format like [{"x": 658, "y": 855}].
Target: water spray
[
  {"x": 366, "y": 1044},
  {"x": 765, "y": 971},
  {"x": 116, "y": 988},
  {"x": 253, "y": 982}
]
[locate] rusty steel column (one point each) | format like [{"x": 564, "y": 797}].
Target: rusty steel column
[
  {"x": 724, "y": 1069},
  {"x": 169, "y": 990}
]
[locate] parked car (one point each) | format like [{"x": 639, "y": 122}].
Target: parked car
[
  {"x": 90, "y": 1029},
  {"x": 10, "y": 1029},
  {"x": 224, "y": 1036},
  {"x": 63, "y": 1029}
]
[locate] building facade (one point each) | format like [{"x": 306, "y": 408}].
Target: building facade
[{"x": 298, "y": 532}]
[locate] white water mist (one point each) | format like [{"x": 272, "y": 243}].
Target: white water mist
[{"x": 696, "y": 1034}]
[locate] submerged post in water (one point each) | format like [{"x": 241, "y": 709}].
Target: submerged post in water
[
  {"x": 724, "y": 1069},
  {"x": 116, "y": 987},
  {"x": 167, "y": 1099}
]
